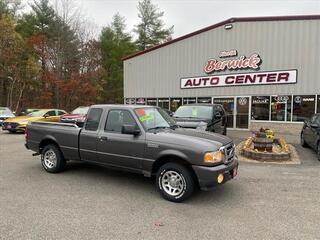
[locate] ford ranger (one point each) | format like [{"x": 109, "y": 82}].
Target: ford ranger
[{"x": 141, "y": 139}]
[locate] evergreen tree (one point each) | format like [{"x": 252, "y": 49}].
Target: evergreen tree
[
  {"x": 151, "y": 30},
  {"x": 115, "y": 44}
]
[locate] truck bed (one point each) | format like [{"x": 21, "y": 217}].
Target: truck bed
[{"x": 66, "y": 134}]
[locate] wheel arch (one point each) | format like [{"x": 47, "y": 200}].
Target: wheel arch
[
  {"x": 47, "y": 141},
  {"x": 173, "y": 158}
]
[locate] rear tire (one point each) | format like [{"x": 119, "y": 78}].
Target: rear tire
[
  {"x": 302, "y": 141},
  {"x": 52, "y": 159},
  {"x": 175, "y": 182}
]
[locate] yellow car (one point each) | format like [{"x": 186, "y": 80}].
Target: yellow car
[{"x": 18, "y": 124}]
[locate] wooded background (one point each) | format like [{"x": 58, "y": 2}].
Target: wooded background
[{"x": 50, "y": 58}]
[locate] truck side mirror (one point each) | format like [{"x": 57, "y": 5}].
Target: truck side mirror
[
  {"x": 130, "y": 129},
  {"x": 46, "y": 115},
  {"x": 217, "y": 115}
]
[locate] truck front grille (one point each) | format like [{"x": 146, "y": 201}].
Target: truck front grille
[{"x": 229, "y": 151}]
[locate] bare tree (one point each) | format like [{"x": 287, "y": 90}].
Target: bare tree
[{"x": 72, "y": 14}]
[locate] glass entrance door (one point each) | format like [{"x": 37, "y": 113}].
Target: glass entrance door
[
  {"x": 228, "y": 105},
  {"x": 242, "y": 116}
]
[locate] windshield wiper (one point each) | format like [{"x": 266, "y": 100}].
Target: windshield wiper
[
  {"x": 174, "y": 126},
  {"x": 186, "y": 117}
]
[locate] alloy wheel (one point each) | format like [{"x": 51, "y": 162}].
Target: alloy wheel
[
  {"x": 50, "y": 159},
  {"x": 173, "y": 183}
]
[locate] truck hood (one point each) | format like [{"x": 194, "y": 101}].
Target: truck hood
[
  {"x": 191, "y": 122},
  {"x": 189, "y": 138}
]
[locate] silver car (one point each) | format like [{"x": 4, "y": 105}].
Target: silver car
[{"x": 4, "y": 114}]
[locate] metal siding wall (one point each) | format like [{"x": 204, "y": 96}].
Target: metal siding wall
[{"x": 282, "y": 45}]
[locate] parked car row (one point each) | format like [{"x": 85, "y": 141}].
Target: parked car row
[{"x": 13, "y": 123}]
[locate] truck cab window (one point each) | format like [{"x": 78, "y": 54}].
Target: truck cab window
[
  {"x": 93, "y": 119},
  {"x": 117, "y": 118}
]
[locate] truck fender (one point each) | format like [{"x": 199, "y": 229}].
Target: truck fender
[
  {"x": 172, "y": 152},
  {"x": 47, "y": 140}
]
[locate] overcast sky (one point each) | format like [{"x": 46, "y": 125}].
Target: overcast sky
[{"x": 191, "y": 15}]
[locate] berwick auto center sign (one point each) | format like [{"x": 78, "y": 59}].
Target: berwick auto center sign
[{"x": 237, "y": 79}]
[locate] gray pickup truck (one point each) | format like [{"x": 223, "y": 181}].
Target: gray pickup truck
[{"x": 141, "y": 139}]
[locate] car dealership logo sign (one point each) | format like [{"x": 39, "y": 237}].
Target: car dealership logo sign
[
  {"x": 242, "y": 62},
  {"x": 240, "y": 79}
]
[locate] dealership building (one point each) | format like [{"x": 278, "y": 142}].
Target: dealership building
[{"x": 263, "y": 70}]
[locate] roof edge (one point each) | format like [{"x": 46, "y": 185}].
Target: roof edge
[{"x": 219, "y": 24}]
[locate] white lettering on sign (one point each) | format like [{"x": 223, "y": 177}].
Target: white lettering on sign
[
  {"x": 240, "y": 79},
  {"x": 230, "y": 53},
  {"x": 242, "y": 62}
]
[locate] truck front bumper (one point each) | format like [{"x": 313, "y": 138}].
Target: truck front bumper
[{"x": 209, "y": 177}]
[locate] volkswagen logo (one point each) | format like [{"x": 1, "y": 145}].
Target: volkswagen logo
[
  {"x": 243, "y": 101},
  {"x": 297, "y": 99}
]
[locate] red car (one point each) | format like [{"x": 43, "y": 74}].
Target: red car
[{"x": 77, "y": 116}]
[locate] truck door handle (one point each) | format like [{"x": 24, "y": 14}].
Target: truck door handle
[{"x": 102, "y": 138}]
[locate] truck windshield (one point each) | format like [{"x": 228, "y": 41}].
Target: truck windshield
[
  {"x": 203, "y": 112},
  {"x": 153, "y": 118}
]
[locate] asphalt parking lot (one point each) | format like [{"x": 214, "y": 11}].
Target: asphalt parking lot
[{"x": 86, "y": 202}]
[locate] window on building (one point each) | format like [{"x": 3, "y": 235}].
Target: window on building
[
  {"x": 204, "y": 100},
  {"x": 163, "y": 103},
  {"x": 281, "y": 108},
  {"x": 228, "y": 105},
  {"x": 93, "y": 119},
  {"x": 130, "y": 101},
  {"x": 140, "y": 101},
  {"x": 175, "y": 103},
  {"x": 260, "y": 108},
  {"x": 117, "y": 118},
  {"x": 303, "y": 107},
  {"x": 189, "y": 101},
  {"x": 152, "y": 101}
]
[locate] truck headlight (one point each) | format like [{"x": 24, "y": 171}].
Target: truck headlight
[{"x": 214, "y": 157}]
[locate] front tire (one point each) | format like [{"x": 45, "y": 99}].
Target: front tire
[
  {"x": 52, "y": 159},
  {"x": 175, "y": 182}
]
